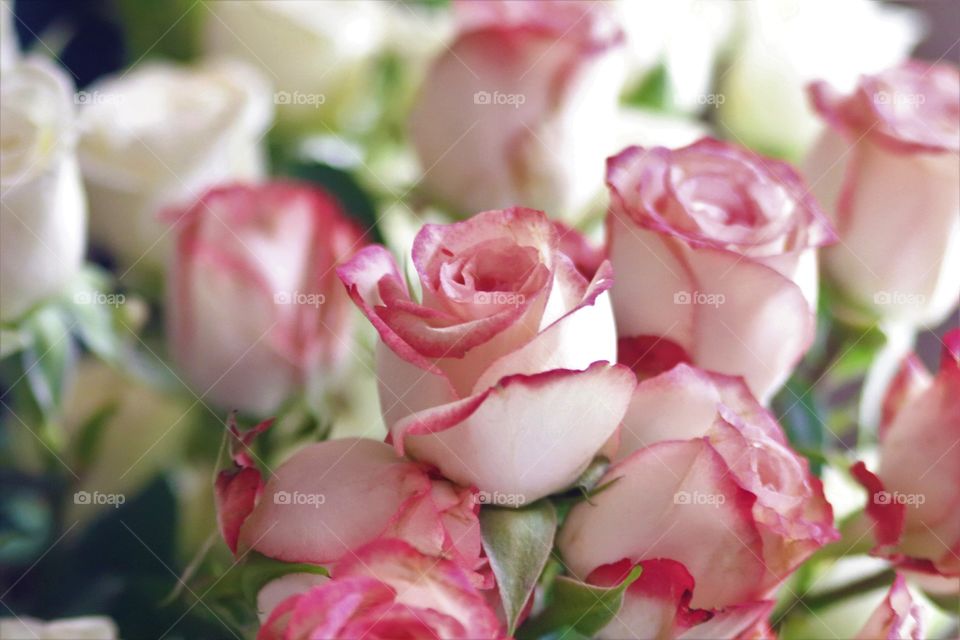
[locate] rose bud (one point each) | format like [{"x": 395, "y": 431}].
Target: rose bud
[
  {"x": 43, "y": 218},
  {"x": 914, "y": 498},
  {"x": 887, "y": 170},
  {"x": 501, "y": 375},
  {"x": 255, "y": 309},
  {"x": 714, "y": 251},
  {"x": 333, "y": 496},
  {"x": 159, "y": 136},
  {"x": 386, "y": 590},
  {"x": 710, "y": 492},
  {"x": 898, "y": 616},
  {"x": 531, "y": 89}
]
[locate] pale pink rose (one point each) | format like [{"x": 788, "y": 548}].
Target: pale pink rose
[
  {"x": 255, "y": 309},
  {"x": 659, "y": 604},
  {"x": 914, "y": 498},
  {"x": 707, "y": 482},
  {"x": 714, "y": 248},
  {"x": 520, "y": 108},
  {"x": 501, "y": 375},
  {"x": 897, "y": 617},
  {"x": 383, "y": 591},
  {"x": 887, "y": 169},
  {"x": 333, "y": 496}
]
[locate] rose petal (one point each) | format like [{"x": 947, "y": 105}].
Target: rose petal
[{"x": 506, "y": 438}]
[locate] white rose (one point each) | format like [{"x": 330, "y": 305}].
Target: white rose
[
  {"x": 160, "y": 135},
  {"x": 786, "y": 44},
  {"x": 43, "y": 219},
  {"x": 317, "y": 54}
]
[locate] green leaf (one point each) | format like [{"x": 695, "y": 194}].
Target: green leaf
[
  {"x": 46, "y": 360},
  {"x": 90, "y": 432},
  {"x": 518, "y": 543},
  {"x": 577, "y": 608},
  {"x": 258, "y": 570},
  {"x": 654, "y": 92}
]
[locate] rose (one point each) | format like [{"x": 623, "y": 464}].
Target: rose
[
  {"x": 364, "y": 492},
  {"x": 898, "y": 616},
  {"x": 500, "y": 376},
  {"x": 43, "y": 217},
  {"x": 141, "y": 429},
  {"x": 887, "y": 170},
  {"x": 914, "y": 498},
  {"x": 88, "y": 627},
  {"x": 714, "y": 251},
  {"x": 531, "y": 88},
  {"x": 659, "y": 602},
  {"x": 159, "y": 136},
  {"x": 386, "y": 590},
  {"x": 706, "y": 489},
  {"x": 782, "y": 45},
  {"x": 255, "y": 310},
  {"x": 319, "y": 55}
]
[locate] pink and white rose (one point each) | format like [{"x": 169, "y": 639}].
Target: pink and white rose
[
  {"x": 501, "y": 375},
  {"x": 887, "y": 169},
  {"x": 332, "y": 497},
  {"x": 914, "y": 497},
  {"x": 520, "y": 108},
  {"x": 714, "y": 247},
  {"x": 898, "y": 616},
  {"x": 255, "y": 309},
  {"x": 709, "y": 497},
  {"x": 386, "y": 590}
]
